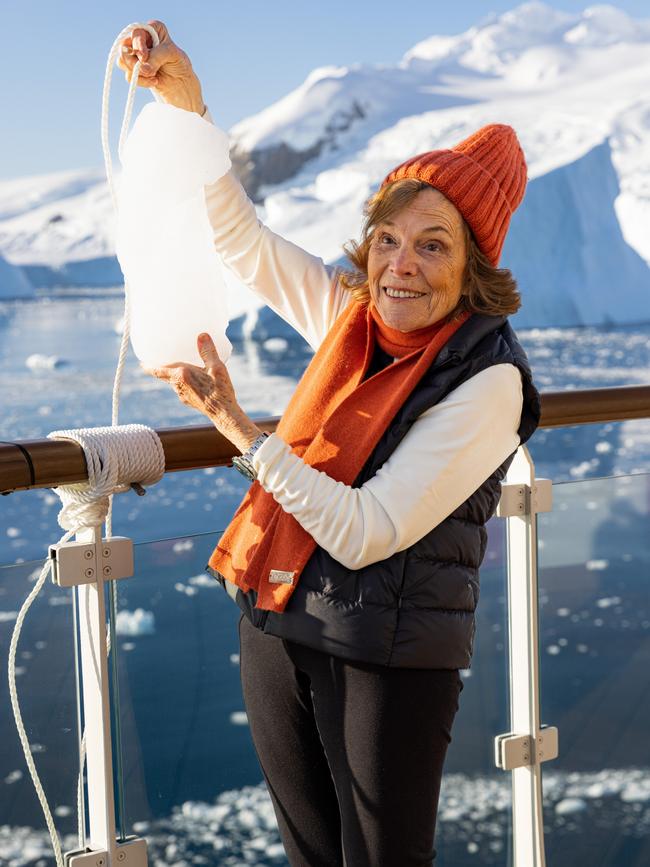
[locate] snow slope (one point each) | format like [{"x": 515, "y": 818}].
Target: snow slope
[{"x": 574, "y": 86}]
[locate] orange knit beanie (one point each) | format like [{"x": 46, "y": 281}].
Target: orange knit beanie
[{"x": 484, "y": 176}]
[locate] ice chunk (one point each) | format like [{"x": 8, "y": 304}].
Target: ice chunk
[
  {"x": 570, "y": 805},
  {"x": 132, "y": 623},
  {"x": 43, "y": 362},
  {"x": 164, "y": 239}
]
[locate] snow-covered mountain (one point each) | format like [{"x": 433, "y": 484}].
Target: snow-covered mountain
[{"x": 576, "y": 87}]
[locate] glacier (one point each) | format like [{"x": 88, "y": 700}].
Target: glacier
[
  {"x": 573, "y": 85},
  {"x": 13, "y": 281}
]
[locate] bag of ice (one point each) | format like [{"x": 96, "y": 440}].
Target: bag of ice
[{"x": 164, "y": 241}]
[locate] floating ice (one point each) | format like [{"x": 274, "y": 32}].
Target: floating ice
[
  {"x": 13, "y": 777},
  {"x": 474, "y": 812},
  {"x": 7, "y": 616},
  {"x": 276, "y": 344},
  {"x": 182, "y": 545},
  {"x": 637, "y": 790},
  {"x": 203, "y": 580},
  {"x": 43, "y": 362},
  {"x": 132, "y": 623},
  {"x": 570, "y": 805},
  {"x": 12, "y": 532},
  {"x": 239, "y": 718},
  {"x": 59, "y": 600},
  {"x": 580, "y": 469},
  {"x": 608, "y": 601},
  {"x": 597, "y": 565}
]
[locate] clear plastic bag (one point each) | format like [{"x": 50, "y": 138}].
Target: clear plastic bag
[{"x": 164, "y": 240}]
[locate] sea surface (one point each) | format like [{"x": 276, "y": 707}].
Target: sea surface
[{"x": 190, "y": 777}]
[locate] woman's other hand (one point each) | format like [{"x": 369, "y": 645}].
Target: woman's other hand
[
  {"x": 166, "y": 68},
  {"x": 210, "y": 391}
]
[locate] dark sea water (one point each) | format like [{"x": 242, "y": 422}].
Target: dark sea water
[{"x": 191, "y": 777}]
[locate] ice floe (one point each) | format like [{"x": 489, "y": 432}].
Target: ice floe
[{"x": 135, "y": 623}]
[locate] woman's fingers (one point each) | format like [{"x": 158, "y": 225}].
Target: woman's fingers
[
  {"x": 172, "y": 371},
  {"x": 146, "y": 76},
  {"x": 143, "y": 80},
  {"x": 141, "y": 41},
  {"x": 159, "y": 372},
  {"x": 207, "y": 350}
]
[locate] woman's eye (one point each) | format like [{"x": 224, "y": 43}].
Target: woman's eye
[
  {"x": 432, "y": 245},
  {"x": 386, "y": 239}
]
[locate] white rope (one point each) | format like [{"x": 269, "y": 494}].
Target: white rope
[
  {"x": 108, "y": 165},
  {"x": 115, "y": 456},
  {"x": 13, "y": 694}
]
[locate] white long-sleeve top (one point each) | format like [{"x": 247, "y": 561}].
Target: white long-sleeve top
[{"x": 450, "y": 450}]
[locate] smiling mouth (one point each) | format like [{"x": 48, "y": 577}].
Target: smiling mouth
[{"x": 400, "y": 294}]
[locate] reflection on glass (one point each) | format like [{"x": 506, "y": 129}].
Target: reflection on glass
[
  {"x": 594, "y": 579},
  {"x": 193, "y": 785},
  {"x": 47, "y": 693},
  {"x": 474, "y": 816}
]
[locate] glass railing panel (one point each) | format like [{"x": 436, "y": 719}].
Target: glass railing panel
[
  {"x": 474, "y": 817},
  {"x": 45, "y": 679},
  {"x": 193, "y": 786},
  {"x": 594, "y": 580},
  {"x": 192, "y": 781}
]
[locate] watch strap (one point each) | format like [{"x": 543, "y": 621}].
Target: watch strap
[{"x": 244, "y": 463}]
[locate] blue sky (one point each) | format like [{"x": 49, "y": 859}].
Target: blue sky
[{"x": 247, "y": 54}]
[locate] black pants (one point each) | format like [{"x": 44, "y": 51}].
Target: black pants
[{"x": 352, "y": 753}]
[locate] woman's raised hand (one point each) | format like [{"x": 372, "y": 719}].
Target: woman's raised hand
[
  {"x": 210, "y": 391},
  {"x": 166, "y": 68}
]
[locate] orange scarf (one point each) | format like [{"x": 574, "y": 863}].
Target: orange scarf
[{"x": 333, "y": 421}]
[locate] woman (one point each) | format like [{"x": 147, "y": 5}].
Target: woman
[{"x": 354, "y": 556}]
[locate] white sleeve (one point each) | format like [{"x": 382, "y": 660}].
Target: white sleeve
[
  {"x": 446, "y": 455},
  {"x": 295, "y": 284}
]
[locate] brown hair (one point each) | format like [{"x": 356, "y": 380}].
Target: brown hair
[{"x": 486, "y": 289}]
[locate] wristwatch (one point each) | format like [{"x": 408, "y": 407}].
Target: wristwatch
[{"x": 244, "y": 463}]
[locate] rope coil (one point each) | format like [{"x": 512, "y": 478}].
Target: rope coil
[{"x": 116, "y": 457}]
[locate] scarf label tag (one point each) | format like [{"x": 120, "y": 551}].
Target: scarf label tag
[{"x": 278, "y": 577}]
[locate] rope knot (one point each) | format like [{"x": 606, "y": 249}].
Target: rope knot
[{"x": 117, "y": 458}]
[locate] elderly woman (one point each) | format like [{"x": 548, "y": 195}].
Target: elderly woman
[{"x": 354, "y": 556}]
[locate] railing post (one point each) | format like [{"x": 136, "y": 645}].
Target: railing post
[
  {"x": 87, "y": 564},
  {"x": 522, "y": 750},
  {"x": 96, "y": 706}
]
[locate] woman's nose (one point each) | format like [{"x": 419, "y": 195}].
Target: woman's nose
[{"x": 403, "y": 262}]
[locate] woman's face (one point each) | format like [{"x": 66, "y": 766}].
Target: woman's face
[{"x": 419, "y": 251}]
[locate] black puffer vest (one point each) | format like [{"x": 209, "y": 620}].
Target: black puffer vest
[{"x": 415, "y": 609}]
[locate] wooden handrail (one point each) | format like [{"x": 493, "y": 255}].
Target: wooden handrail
[{"x": 43, "y": 463}]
